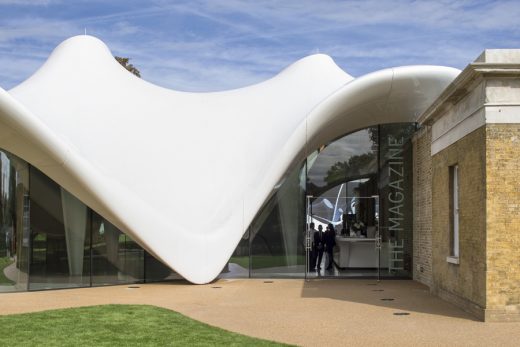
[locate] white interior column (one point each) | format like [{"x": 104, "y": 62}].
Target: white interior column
[
  {"x": 75, "y": 222},
  {"x": 112, "y": 242},
  {"x": 289, "y": 212}
]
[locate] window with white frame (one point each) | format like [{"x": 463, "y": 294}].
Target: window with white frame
[{"x": 454, "y": 214}]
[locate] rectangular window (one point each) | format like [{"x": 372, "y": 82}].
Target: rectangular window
[{"x": 454, "y": 214}]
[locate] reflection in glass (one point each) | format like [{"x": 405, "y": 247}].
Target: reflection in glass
[
  {"x": 277, "y": 233},
  {"x": 133, "y": 260},
  {"x": 349, "y": 158},
  {"x": 116, "y": 258},
  {"x": 60, "y": 252},
  {"x": 106, "y": 261},
  {"x": 343, "y": 170},
  {"x": 156, "y": 271},
  {"x": 376, "y": 161},
  {"x": 238, "y": 264},
  {"x": 68, "y": 244},
  {"x": 14, "y": 226}
]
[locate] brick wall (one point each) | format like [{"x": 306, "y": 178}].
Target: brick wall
[
  {"x": 465, "y": 283},
  {"x": 422, "y": 202},
  {"x": 503, "y": 221}
]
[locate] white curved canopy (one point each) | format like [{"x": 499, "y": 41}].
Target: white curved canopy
[{"x": 185, "y": 173}]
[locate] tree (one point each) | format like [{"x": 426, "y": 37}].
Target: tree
[
  {"x": 355, "y": 166},
  {"x": 125, "y": 63}
]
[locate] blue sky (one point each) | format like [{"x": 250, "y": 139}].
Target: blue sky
[{"x": 208, "y": 45}]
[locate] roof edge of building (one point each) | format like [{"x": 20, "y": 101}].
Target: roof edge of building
[{"x": 491, "y": 62}]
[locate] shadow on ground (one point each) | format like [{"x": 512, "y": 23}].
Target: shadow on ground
[{"x": 401, "y": 295}]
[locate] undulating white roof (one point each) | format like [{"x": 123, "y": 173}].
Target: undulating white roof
[{"x": 185, "y": 173}]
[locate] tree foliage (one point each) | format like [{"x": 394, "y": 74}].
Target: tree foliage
[
  {"x": 355, "y": 166},
  {"x": 125, "y": 62}
]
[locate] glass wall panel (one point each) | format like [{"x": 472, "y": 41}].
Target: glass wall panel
[
  {"x": 346, "y": 247},
  {"x": 369, "y": 162},
  {"x": 14, "y": 223},
  {"x": 238, "y": 265},
  {"x": 60, "y": 242},
  {"x": 107, "y": 253},
  {"x": 49, "y": 234},
  {"x": 277, "y": 233},
  {"x": 343, "y": 170},
  {"x": 49, "y": 239},
  {"x": 133, "y": 260},
  {"x": 395, "y": 185},
  {"x": 116, "y": 258},
  {"x": 156, "y": 271},
  {"x": 341, "y": 182},
  {"x": 347, "y": 159}
]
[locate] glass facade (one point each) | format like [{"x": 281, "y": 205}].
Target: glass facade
[
  {"x": 396, "y": 195},
  {"x": 346, "y": 176},
  {"x": 49, "y": 239},
  {"x": 276, "y": 237},
  {"x": 60, "y": 245},
  {"x": 14, "y": 228},
  {"x": 366, "y": 177},
  {"x": 116, "y": 258}
]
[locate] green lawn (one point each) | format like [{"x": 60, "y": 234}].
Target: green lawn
[
  {"x": 4, "y": 262},
  {"x": 115, "y": 325}
]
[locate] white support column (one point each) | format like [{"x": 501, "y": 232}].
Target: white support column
[{"x": 75, "y": 223}]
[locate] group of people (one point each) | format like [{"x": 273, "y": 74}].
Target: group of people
[
  {"x": 322, "y": 242},
  {"x": 352, "y": 226}
]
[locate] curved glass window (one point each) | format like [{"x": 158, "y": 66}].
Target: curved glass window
[
  {"x": 376, "y": 161},
  {"x": 344, "y": 169},
  {"x": 363, "y": 176},
  {"x": 348, "y": 159}
]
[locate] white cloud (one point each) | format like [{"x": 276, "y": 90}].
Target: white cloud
[
  {"x": 35, "y": 28},
  {"x": 28, "y": 2},
  {"x": 212, "y": 44}
]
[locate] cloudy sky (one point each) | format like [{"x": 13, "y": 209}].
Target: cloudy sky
[{"x": 207, "y": 45}]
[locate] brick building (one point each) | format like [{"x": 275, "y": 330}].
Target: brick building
[{"x": 467, "y": 189}]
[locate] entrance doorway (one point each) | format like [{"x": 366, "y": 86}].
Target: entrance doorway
[{"x": 343, "y": 237}]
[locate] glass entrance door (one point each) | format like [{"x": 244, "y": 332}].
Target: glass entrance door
[{"x": 343, "y": 236}]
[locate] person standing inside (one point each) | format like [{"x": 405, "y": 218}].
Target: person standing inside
[
  {"x": 330, "y": 242},
  {"x": 319, "y": 246}
]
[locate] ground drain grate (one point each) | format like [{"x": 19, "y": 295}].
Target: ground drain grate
[
  {"x": 401, "y": 314},
  {"x": 268, "y": 281},
  {"x": 133, "y": 287},
  {"x": 216, "y": 287},
  {"x": 387, "y": 299},
  {"x": 378, "y": 290},
  {"x": 371, "y": 284}
]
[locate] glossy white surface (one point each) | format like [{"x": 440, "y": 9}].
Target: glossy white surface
[{"x": 185, "y": 173}]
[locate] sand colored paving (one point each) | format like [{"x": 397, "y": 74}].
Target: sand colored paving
[{"x": 314, "y": 313}]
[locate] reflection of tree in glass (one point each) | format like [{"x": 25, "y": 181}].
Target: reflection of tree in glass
[
  {"x": 373, "y": 133},
  {"x": 394, "y": 132},
  {"x": 354, "y": 167}
]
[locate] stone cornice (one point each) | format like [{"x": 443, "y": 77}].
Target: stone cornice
[{"x": 463, "y": 84}]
